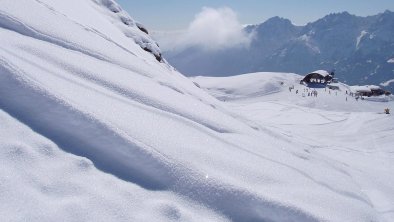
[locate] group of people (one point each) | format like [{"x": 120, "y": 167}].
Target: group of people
[
  {"x": 310, "y": 93},
  {"x": 307, "y": 92},
  {"x": 314, "y": 93}
]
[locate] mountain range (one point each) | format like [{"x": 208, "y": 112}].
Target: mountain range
[{"x": 359, "y": 49}]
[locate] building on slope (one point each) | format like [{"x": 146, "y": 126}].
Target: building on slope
[
  {"x": 333, "y": 86},
  {"x": 318, "y": 78},
  {"x": 369, "y": 90}
]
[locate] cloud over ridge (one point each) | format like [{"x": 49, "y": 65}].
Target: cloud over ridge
[{"x": 211, "y": 29}]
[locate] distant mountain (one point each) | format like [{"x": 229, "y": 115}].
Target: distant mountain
[{"x": 358, "y": 48}]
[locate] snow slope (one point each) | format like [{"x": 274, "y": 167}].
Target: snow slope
[
  {"x": 353, "y": 137},
  {"x": 95, "y": 128},
  {"x": 40, "y": 182},
  {"x": 268, "y": 86}
]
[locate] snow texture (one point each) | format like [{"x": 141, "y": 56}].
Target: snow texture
[
  {"x": 94, "y": 128},
  {"x": 360, "y": 37}
]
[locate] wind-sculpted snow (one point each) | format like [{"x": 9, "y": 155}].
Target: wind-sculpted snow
[
  {"x": 153, "y": 145},
  {"x": 39, "y": 182}
]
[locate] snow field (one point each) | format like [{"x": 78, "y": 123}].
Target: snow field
[
  {"x": 352, "y": 137},
  {"x": 40, "y": 182}
]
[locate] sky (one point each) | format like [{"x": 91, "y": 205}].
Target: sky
[{"x": 178, "y": 14}]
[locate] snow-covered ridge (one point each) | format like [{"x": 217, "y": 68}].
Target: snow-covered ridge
[
  {"x": 247, "y": 85},
  {"x": 31, "y": 24},
  {"x": 129, "y": 28}
]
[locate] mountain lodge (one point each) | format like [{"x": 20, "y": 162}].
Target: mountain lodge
[
  {"x": 369, "y": 90},
  {"x": 318, "y": 77}
]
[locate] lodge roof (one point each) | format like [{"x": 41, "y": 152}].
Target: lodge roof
[
  {"x": 366, "y": 88},
  {"x": 323, "y": 73}
]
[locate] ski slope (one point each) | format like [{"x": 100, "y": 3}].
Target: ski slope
[
  {"x": 352, "y": 136},
  {"x": 95, "y": 128}
]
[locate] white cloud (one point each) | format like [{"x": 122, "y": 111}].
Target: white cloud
[{"x": 211, "y": 29}]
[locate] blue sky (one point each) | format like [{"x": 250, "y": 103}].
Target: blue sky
[{"x": 177, "y": 14}]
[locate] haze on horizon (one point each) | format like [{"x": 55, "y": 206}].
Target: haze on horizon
[{"x": 178, "y": 14}]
